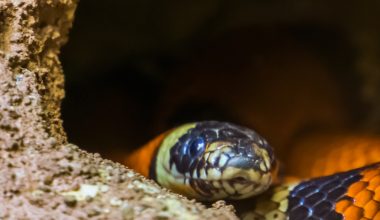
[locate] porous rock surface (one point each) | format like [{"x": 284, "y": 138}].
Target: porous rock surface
[{"x": 42, "y": 176}]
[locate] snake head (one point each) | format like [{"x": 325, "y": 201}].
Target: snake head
[{"x": 214, "y": 160}]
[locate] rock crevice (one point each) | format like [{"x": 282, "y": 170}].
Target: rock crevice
[{"x": 42, "y": 176}]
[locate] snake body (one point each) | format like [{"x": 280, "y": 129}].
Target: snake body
[
  {"x": 354, "y": 194},
  {"x": 218, "y": 160}
]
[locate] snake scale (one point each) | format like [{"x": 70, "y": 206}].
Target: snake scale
[{"x": 213, "y": 160}]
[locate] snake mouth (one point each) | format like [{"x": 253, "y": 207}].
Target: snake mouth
[
  {"x": 238, "y": 186},
  {"x": 239, "y": 177}
]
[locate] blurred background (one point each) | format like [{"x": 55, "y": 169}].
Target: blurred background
[{"x": 285, "y": 68}]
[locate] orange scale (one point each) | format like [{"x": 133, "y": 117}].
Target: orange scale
[
  {"x": 343, "y": 163},
  {"x": 374, "y": 154},
  {"x": 377, "y": 194},
  {"x": 330, "y": 166},
  {"x": 357, "y": 161},
  {"x": 377, "y": 216},
  {"x": 318, "y": 168},
  {"x": 371, "y": 208},
  {"x": 355, "y": 188},
  {"x": 363, "y": 197},
  {"x": 342, "y": 205},
  {"x": 369, "y": 174},
  {"x": 374, "y": 182},
  {"x": 353, "y": 213}
]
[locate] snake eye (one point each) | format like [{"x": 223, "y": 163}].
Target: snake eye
[{"x": 196, "y": 146}]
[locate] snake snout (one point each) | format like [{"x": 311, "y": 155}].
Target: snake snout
[
  {"x": 242, "y": 162},
  {"x": 251, "y": 156},
  {"x": 249, "y": 169}
]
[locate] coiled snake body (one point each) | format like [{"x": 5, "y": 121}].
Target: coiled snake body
[{"x": 217, "y": 160}]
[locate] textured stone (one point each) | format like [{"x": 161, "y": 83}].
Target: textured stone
[{"x": 42, "y": 176}]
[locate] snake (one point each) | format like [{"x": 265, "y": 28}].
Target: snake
[{"x": 212, "y": 160}]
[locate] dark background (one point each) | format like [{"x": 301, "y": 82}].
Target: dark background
[{"x": 129, "y": 65}]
